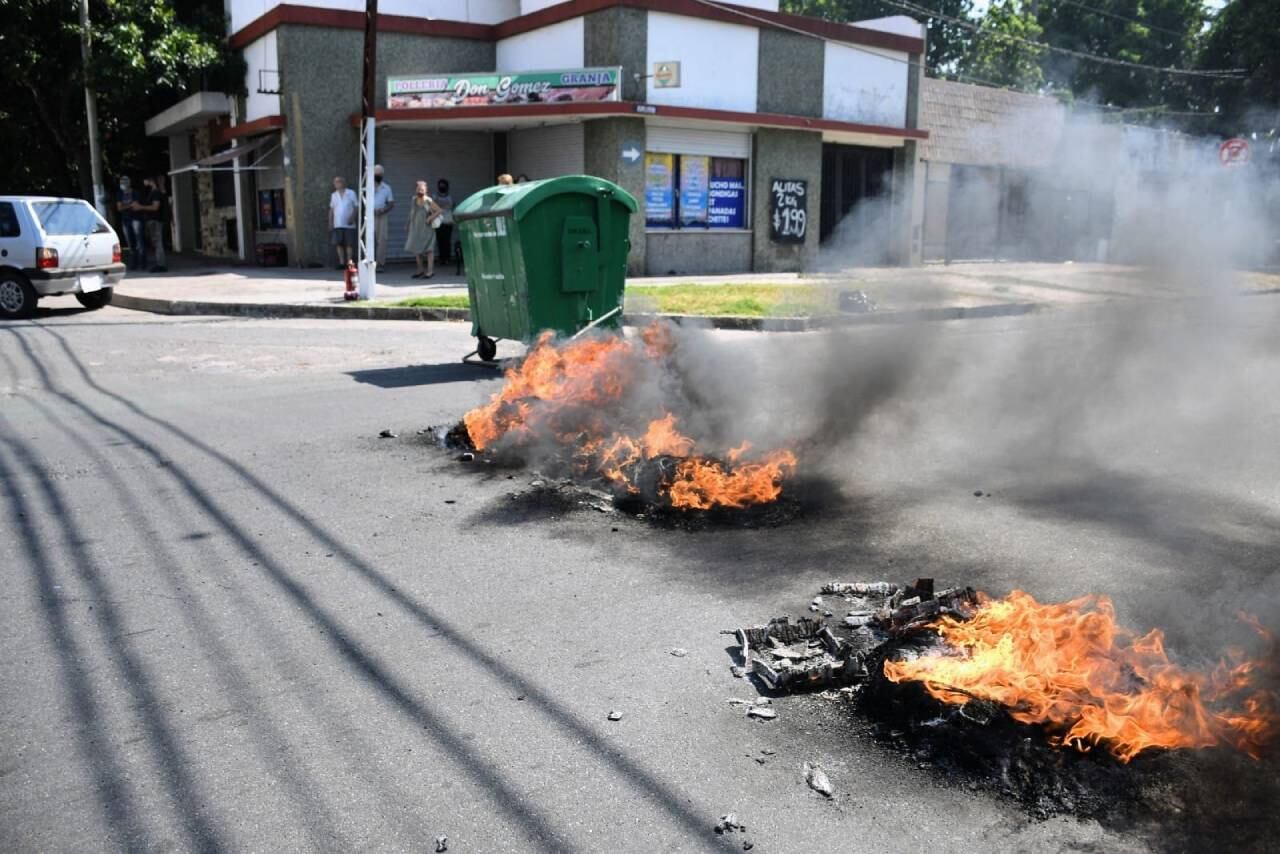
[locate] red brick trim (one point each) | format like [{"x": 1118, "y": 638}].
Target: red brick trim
[
  {"x": 628, "y": 108},
  {"x": 342, "y": 19},
  {"x": 225, "y": 133},
  {"x": 724, "y": 12}
]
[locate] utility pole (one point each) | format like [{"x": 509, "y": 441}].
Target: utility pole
[
  {"x": 91, "y": 110},
  {"x": 368, "y": 254}
]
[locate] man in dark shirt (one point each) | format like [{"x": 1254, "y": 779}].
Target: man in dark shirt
[
  {"x": 155, "y": 210},
  {"x": 131, "y": 222}
]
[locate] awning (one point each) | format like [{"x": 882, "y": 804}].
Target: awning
[
  {"x": 215, "y": 162},
  {"x": 191, "y": 112}
]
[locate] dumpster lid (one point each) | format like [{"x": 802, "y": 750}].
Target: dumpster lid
[{"x": 515, "y": 200}]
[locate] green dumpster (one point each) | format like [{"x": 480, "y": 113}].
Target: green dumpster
[{"x": 542, "y": 255}]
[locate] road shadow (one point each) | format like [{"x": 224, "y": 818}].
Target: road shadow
[
  {"x": 363, "y": 662},
  {"x": 419, "y": 375}
]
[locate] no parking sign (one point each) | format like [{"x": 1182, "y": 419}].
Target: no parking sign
[{"x": 1233, "y": 152}]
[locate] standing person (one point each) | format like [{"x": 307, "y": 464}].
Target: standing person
[
  {"x": 444, "y": 234},
  {"x": 342, "y": 220},
  {"x": 504, "y": 179},
  {"x": 131, "y": 223},
  {"x": 155, "y": 212},
  {"x": 383, "y": 201},
  {"x": 421, "y": 240}
]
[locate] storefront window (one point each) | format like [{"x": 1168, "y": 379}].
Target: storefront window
[{"x": 695, "y": 191}]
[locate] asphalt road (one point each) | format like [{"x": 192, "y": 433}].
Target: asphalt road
[{"x": 233, "y": 618}]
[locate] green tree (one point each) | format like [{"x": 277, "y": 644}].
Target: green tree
[
  {"x": 1000, "y": 53},
  {"x": 947, "y": 42},
  {"x": 1243, "y": 35},
  {"x": 144, "y": 56},
  {"x": 1161, "y": 33}
]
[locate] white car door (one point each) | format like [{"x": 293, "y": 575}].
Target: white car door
[
  {"x": 15, "y": 247},
  {"x": 71, "y": 226}
]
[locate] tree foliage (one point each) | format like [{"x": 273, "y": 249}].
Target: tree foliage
[
  {"x": 1000, "y": 53},
  {"x": 1151, "y": 32},
  {"x": 146, "y": 55},
  {"x": 1244, "y": 34}
]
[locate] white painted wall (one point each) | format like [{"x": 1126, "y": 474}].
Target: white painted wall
[
  {"x": 557, "y": 46},
  {"x": 527, "y": 6},
  {"x": 261, "y": 55},
  {"x": 864, "y": 85},
  {"x": 472, "y": 11},
  {"x": 901, "y": 25},
  {"x": 244, "y": 12},
  {"x": 718, "y": 62}
]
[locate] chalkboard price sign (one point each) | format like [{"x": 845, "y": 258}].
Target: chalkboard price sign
[{"x": 789, "y": 219}]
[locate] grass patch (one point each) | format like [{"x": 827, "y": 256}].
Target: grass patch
[
  {"x": 744, "y": 300},
  {"x": 448, "y": 301},
  {"x": 740, "y": 300}
]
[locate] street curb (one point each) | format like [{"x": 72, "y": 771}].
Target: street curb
[
  {"x": 286, "y": 310},
  {"x": 733, "y": 322}
]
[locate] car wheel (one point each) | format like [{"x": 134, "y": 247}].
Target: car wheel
[
  {"x": 17, "y": 297},
  {"x": 95, "y": 299}
]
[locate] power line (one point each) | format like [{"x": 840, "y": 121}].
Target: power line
[
  {"x": 1120, "y": 17},
  {"x": 1218, "y": 73},
  {"x": 915, "y": 64}
]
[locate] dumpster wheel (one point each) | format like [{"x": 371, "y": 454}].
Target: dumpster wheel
[{"x": 486, "y": 349}]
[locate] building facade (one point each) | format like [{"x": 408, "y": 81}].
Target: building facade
[{"x": 746, "y": 134}]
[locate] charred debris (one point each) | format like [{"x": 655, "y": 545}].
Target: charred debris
[
  {"x": 650, "y": 500},
  {"x": 837, "y": 652}
]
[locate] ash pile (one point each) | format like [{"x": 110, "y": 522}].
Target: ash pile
[
  {"x": 822, "y": 652},
  {"x": 641, "y": 489},
  {"x": 837, "y": 652}
]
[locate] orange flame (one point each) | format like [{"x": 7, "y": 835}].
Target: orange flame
[
  {"x": 568, "y": 392},
  {"x": 1071, "y": 668}
]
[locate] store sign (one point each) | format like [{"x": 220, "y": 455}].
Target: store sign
[
  {"x": 728, "y": 203},
  {"x": 694, "y": 192},
  {"x": 532, "y": 87},
  {"x": 659, "y": 188},
  {"x": 788, "y": 215},
  {"x": 666, "y": 75}
]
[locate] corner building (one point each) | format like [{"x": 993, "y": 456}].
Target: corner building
[{"x": 746, "y": 134}]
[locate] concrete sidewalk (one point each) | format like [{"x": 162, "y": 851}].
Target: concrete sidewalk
[{"x": 930, "y": 292}]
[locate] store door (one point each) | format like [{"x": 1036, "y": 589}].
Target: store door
[
  {"x": 856, "y": 191},
  {"x": 463, "y": 158}
]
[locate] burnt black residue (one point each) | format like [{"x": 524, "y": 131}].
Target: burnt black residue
[
  {"x": 803, "y": 497},
  {"x": 1180, "y": 800}
]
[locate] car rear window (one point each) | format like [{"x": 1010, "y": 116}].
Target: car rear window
[{"x": 67, "y": 218}]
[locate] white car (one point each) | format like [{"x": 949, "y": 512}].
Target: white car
[{"x": 51, "y": 246}]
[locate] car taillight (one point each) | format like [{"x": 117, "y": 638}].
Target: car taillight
[
  {"x": 115, "y": 254},
  {"x": 46, "y": 258}
]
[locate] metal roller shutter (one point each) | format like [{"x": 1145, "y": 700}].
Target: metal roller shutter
[
  {"x": 716, "y": 143},
  {"x": 464, "y": 158},
  {"x": 546, "y": 152}
]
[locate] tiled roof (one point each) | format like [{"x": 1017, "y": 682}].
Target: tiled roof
[{"x": 984, "y": 126}]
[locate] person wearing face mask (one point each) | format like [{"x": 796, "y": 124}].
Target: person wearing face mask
[
  {"x": 131, "y": 222},
  {"x": 383, "y": 202},
  {"x": 422, "y": 236},
  {"x": 155, "y": 213},
  {"x": 444, "y": 234}
]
